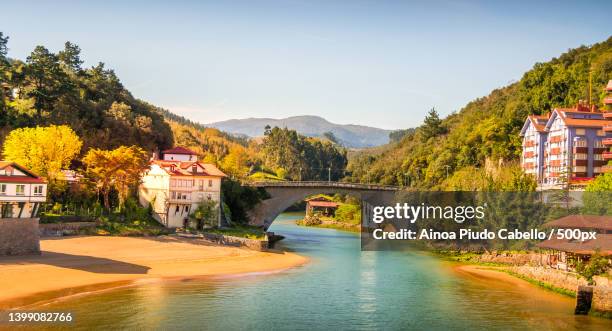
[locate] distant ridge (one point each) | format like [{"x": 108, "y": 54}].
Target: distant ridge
[{"x": 354, "y": 136}]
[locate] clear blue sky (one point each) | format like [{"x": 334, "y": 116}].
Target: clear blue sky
[{"x": 379, "y": 63}]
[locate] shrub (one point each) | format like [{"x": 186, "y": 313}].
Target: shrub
[{"x": 596, "y": 265}]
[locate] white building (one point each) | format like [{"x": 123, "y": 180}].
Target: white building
[
  {"x": 176, "y": 184},
  {"x": 21, "y": 191}
]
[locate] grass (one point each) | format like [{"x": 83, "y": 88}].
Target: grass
[
  {"x": 541, "y": 284},
  {"x": 264, "y": 176},
  {"x": 133, "y": 228},
  {"x": 243, "y": 231}
]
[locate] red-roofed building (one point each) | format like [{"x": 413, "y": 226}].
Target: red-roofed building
[
  {"x": 176, "y": 184},
  {"x": 179, "y": 154},
  {"x": 569, "y": 145},
  {"x": 21, "y": 191},
  {"x": 322, "y": 205}
]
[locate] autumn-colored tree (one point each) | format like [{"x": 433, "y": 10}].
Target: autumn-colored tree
[
  {"x": 236, "y": 162},
  {"x": 118, "y": 169},
  {"x": 44, "y": 150}
]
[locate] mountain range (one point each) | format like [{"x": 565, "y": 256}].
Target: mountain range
[{"x": 349, "y": 135}]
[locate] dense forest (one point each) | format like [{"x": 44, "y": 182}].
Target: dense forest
[
  {"x": 54, "y": 89},
  {"x": 469, "y": 149},
  {"x": 51, "y": 88}
]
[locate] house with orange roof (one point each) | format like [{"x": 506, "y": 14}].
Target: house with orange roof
[
  {"x": 175, "y": 184},
  {"x": 21, "y": 191},
  {"x": 570, "y": 145}
]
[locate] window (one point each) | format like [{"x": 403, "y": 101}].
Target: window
[
  {"x": 2, "y": 189},
  {"x": 210, "y": 183},
  {"x": 187, "y": 209},
  {"x": 38, "y": 190},
  {"x": 194, "y": 169},
  {"x": 600, "y": 133},
  {"x": 209, "y": 197},
  {"x": 176, "y": 210},
  {"x": 20, "y": 190},
  {"x": 580, "y": 132}
]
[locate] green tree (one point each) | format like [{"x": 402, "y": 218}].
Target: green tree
[
  {"x": 46, "y": 79},
  {"x": 206, "y": 214},
  {"x": 71, "y": 56},
  {"x": 432, "y": 126}
]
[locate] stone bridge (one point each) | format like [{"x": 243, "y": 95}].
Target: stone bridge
[{"x": 285, "y": 194}]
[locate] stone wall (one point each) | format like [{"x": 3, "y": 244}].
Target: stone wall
[
  {"x": 254, "y": 244},
  {"x": 513, "y": 258},
  {"x": 66, "y": 229},
  {"x": 19, "y": 236},
  {"x": 602, "y": 295},
  {"x": 561, "y": 279},
  {"x": 602, "y": 290}
]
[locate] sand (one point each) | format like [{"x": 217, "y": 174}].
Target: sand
[{"x": 71, "y": 265}]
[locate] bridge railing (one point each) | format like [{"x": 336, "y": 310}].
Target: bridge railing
[{"x": 360, "y": 186}]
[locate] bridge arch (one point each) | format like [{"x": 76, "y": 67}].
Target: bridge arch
[{"x": 285, "y": 194}]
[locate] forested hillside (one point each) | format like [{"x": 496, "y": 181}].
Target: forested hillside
[
  {"x": 474, "y": 142},
  {"x": 49, "y": 88},
  {"x": 54, "y": 89}
]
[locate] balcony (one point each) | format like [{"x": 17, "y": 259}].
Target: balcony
[
  {"x": 607, "y": 155},
  {"x": 555, "y": 151},
  {"x": 529, "y": 143},
  {"x": 529, "y": 155},
  {"x": 607, "y": 128},
  {"x": 556, "y": 139},
  {"x": 607, "y": 141},
  {"x": 606, "y": 168}
]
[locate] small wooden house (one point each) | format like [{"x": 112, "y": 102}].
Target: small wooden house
[
  {"x": 563, "y": 253},
  {"x": 321, "y": 205}
]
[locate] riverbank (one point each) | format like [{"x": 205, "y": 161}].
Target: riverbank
[
  {"x": 331, "y": 224},
  {"x": 71, "y": 265}
]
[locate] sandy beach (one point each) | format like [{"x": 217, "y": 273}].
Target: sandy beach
[{"x": 81, "y": 264}]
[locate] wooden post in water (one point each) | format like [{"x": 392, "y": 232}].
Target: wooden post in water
[{"x": 584, "y": 297}]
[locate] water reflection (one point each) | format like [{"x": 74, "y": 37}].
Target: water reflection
[{"x": 342, "y": 288}]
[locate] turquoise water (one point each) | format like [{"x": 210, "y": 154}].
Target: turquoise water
[{"x": 341, "y": 288}]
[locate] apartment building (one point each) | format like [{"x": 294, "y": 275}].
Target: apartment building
[
  {"x": 21, "y": 191},
  {"x": 174, "y": 186},
  {"x": 569, "y": 144}
]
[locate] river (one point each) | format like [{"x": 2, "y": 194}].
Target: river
[{"x": 341, "y": 288}]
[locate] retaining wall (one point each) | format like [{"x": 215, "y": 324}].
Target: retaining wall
[
  {"x": 66, "y": 229},
  {"x": 19, "y": 236},
  {"x": 602, "y": 295},
  {"x": 254, "y": 244}
]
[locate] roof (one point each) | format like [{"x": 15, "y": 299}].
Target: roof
[
  {"x": 178, "y": 168},
  {"x": 539, "y": 122},
  {"x": 602, "y": 243},
  {"x": 317, "y": 203},
  {"x": 21, "y": 179},
  {"x": 33, "y": 178},
  {"x": 318, "y": 197},
  {"x": 582, "y": 222},
  {"x": 579, "y": 122},
  {"x": 179, "y": 150}
]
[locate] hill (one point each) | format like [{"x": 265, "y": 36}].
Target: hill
[
  {"x": 453, "y": 152},
  {"x": 353, "y": 136}
]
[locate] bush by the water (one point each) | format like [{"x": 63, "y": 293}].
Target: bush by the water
[{"x": 310, "y": 221}]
